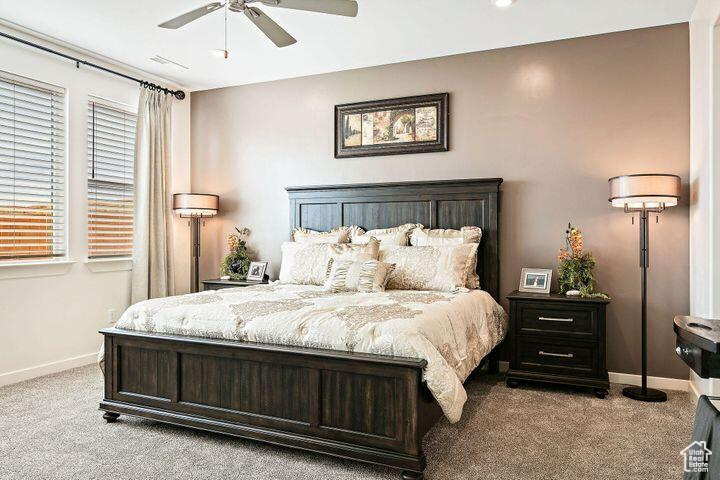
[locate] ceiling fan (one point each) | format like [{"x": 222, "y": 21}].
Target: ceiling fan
[{"x": 272, "y": 30}]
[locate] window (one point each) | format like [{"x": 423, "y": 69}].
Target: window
[
  {"x": 32, "y": 169},
  {"x": 111, "y": 157}
]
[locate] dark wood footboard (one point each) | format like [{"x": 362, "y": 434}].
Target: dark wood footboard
[{"x": 364, "y": 407}]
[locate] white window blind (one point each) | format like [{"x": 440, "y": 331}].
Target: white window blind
[
  {"x": 111, "y": 158},
  {"x": 32, "y": 169}
]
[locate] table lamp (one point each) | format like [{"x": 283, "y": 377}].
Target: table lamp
[
  {"x": 644, "y": 194},
  {"x": 195, "y": 206}
]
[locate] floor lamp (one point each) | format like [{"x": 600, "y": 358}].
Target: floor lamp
[
  {"x": 644, "y": 194},
  {"x": 195, "y": 206}
]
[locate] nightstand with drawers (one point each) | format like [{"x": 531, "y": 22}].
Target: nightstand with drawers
[
  {"x": 558, "y": 339},
  {"x": 217, "y": 284}
]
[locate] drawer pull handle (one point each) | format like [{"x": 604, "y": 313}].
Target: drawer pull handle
[
  {"x": 551, "y": 319},
  {"x": 682, "y": 351},
  {"x": 550, "y": 354}
]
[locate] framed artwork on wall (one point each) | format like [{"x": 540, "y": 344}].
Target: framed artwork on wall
[{"x": 391, "y": 127}]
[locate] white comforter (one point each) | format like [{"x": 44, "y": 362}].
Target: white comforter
[{"x": 452, "y": 331}]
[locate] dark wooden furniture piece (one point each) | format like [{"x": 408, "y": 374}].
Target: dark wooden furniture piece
[
  {"x": 365, "y": 407},
  {"x": 698, "y": 344},
  {"x": 217, "y": 284},
  {"x": 558, "y": 339}
]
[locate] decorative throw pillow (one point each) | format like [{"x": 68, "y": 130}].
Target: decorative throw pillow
[
  {"x": 337, "y": 235},
  {"x": 307, "y": 263},
  {"x": 422, "y": 237},
  {"x": 367, "y": 276},
  {"x": 441, "y": 268},
  {"x": 387, "y": 236}
]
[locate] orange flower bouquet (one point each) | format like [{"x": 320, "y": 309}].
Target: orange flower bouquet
[
  {"x": 575, "y": 269},
  {"x": 237, "y": 262}
]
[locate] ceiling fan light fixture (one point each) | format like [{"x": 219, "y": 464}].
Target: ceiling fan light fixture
[
  {"x": 503, "y": 3},
  {"x": 220, "y": 53},
  {"x": 262, "y": 21}
]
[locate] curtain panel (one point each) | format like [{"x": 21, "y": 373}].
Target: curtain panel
[{"x": 152, "y": 274}]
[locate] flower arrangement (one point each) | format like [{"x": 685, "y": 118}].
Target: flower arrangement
[
  {"x": 575, "y": 269},
  {"x": 237, "y": 262}
]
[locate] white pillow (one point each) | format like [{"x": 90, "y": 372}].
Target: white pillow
[
  {"x": 337, "y": 235},
  {"x": 367, "y": 276},
  {"x": 441, "y": 268},
  {"x": 307, "y": 263},
  {"x": 387, "y": 236},
  {"x": 422, "y": 237}
]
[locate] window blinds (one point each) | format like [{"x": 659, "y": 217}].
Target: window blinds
[
  {"x": 32, "y": 169},
  {"x": 111, "y": 157}
]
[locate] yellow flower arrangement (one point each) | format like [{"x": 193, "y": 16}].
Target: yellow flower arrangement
[
  {"x": 575, "y": 269},
  {"x": 237, "y": 262}
]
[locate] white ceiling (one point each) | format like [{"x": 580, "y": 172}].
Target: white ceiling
[{"x": 385, "y": 31}]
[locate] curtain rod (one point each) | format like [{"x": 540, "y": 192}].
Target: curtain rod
[{"x": 179, "y": 94}]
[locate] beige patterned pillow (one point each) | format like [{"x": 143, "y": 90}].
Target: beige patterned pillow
[
  {"x": 441, "y": 268},
  {"x": 337, "y": 235},
  {"x": 367, "y": 276},
  {"x": 307, "y": 263},
  {"x": 422, "y": 237},
  {"x": 387, "y": 236}
]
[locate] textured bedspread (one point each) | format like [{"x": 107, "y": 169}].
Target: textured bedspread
[{"x": 452, "y": 331}]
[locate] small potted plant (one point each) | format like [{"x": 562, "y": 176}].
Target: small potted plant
[
  {"x": 237, "y": 261},
  {"x": 575, "y": 269}
]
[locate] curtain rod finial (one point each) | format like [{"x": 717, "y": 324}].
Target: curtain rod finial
[{"x": 180, "y": 95}]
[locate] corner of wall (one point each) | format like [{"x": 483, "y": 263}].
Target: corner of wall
[{"x": 704, "y": 181}]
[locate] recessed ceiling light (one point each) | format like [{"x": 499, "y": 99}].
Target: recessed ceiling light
[{"x": 503, "y": 3}]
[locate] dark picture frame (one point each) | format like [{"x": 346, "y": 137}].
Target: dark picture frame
[{"x": 396, "y": 126}]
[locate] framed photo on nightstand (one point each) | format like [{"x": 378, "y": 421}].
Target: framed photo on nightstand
[
  {"x": 535, "y": 280},
  {"x": 256, "y": 271}
]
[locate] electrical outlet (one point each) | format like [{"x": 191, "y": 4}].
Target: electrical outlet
[{"x": 112, "y": 316}]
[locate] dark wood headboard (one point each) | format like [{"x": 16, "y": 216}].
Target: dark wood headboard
[{"x": 435, "y": 204}]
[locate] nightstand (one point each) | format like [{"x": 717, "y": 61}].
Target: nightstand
[
  {"x": 217, "y": 284},
  {"x": 558, "y": 339}
]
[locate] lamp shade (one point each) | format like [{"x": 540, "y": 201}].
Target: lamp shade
[
  {"x": 196, "y": 204},
  {"x": 645, "y": 190}
]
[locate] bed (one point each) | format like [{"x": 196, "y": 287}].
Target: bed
[{"x": 282, "y": 380}]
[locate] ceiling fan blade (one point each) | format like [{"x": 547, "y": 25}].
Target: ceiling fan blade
[
  {"x": 188, "y": 17},
  {"x": 349, "y": 8},
  {"x": 274, "y": 32}
]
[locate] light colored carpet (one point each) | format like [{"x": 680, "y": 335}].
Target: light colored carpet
[{"x": 50, "y": 428}]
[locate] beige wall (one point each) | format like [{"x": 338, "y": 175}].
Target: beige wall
[{"x": 555, "y": 120}]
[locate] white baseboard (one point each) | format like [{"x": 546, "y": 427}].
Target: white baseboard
[
  {"x": 54, "y": 367},
  {"x": 653, "y": 382},
  {"x": 47, "y": 368},
  {"x": 694, "y": 392},
  {"x": 632, "y": 379}
]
